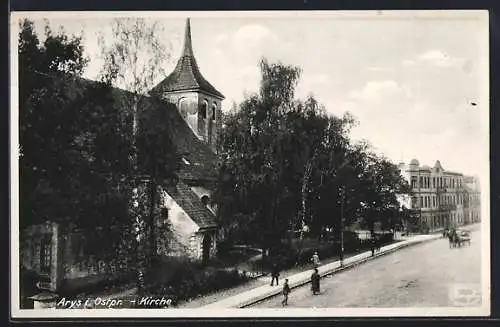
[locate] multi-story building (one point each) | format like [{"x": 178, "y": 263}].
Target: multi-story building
[
  {"x": 472, "y": 200},
  {"x": 443, "y": 199}
]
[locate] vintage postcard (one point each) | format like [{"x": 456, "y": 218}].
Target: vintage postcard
[{"x": 250, "y": 164}]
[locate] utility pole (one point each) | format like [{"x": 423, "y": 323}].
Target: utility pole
[{"x": 342, "y": 199}]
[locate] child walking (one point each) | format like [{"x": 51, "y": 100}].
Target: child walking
[{"x": 286, "y": 291}]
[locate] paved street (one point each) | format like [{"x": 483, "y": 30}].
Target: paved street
[{"x": 426, "y": 275}]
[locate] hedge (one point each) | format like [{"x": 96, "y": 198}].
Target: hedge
[
  {"x": 287, "y": 257},
  {"x": 182, "y": 280}
]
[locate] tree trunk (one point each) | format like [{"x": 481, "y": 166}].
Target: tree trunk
[
  {"x": 152, "y": 222},
  {"x": 302, "y": 214}
]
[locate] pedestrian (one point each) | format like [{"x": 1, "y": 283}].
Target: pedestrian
[
  {"x": 275, "y": 274},
  {"x": 315, "y": 260},
  {"x": 286, "y": 291},
  {"x": 373, "y": 246},
  {"x": 378, "y": 241},
  {"x": 315, "y": 282}
]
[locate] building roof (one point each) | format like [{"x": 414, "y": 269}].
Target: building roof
[
  {"x": 192, "y": 205},
  {"x": 437, "y": 165},
  {"x": 186, "y": 76},
  {"x": 202, "y": 160},
  {"x": 453, "y": 173},
  {"x": 199, "y": 161}
]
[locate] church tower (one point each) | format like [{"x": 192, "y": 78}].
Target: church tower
[{"x": 198, "y": 102}]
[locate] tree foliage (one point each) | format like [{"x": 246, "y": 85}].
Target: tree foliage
[
  {"x": 134, "y": 60},
  {"x": 74, "y": 142},
  {"x": 76, "y": 137},
  {"x": 285, "y": 160}
]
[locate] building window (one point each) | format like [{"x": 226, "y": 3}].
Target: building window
[
  {"x": 414, "y": 181},
  {"x": 214, "y": 110},
  {"x": 420, "y": 182},
  {"x": 45, "y": 253},
  {"x": 183, "y": 107},
  {"x": 203, "y": 110},
  {"x": 163, "y": 217}
]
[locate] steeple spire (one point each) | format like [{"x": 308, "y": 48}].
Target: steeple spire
[
  {"x": 186, "y": 75},
  {"x": 188, "y": 48}
]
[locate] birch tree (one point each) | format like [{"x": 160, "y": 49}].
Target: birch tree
[{"x": 134, "y": 59}]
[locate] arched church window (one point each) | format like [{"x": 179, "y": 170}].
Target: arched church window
[
  {"x": 214, "y": 110},
  {"x": 183, "y": 107},
  {"x": 204, "y": 109}
]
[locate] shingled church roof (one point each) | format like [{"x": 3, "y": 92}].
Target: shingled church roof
[
  {"x": 192, "y": 205},
  {"x": 186, "y": 76},
  {"x": 200, "y": 162}
]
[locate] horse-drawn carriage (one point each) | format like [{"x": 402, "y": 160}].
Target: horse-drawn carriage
[{"x": 457, "y": 238}]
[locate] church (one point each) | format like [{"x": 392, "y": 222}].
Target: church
[
  {"x": 198, "y": 112},
  {"x": 193, "y": 106}
]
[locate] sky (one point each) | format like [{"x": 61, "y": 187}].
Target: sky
[{"x": 410, "y": 79}]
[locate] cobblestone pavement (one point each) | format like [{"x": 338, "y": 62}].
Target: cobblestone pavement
[{"x": 426, "y": 275}]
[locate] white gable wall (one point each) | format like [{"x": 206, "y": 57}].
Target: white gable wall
[{"x": 184, "y": 231}]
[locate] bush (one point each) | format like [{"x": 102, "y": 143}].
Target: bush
[
  {"x": 287, "y": 257},
  {"x": 181, "y": 280},
  {"x": 385, "y": 238},
  {"x": 94, "y": 284}
]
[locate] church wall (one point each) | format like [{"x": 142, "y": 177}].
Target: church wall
[
  {"x": 209, "y": 128},
  {"x": 182, "y": 237},
  {"x": 205, "y": 128},
  {"x": 189, "y": 112}
]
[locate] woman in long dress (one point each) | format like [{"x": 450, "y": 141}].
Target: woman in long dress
[{"x": 315, "y": 282}]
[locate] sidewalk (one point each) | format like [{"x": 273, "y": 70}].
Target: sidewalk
[
  {"x": 258, "y": 294},
  {"x": 210, "y": 298}
]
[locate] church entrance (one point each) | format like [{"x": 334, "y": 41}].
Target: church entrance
[{"x": 207, "y": 244}]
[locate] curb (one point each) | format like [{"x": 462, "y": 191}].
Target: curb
[{"x": 331, "y": 272}]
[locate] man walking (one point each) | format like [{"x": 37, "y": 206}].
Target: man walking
[
  {"x": 315, "y": 260},
  {"x": 275, "y": 273},
  {"x": 286, "y": 291}
]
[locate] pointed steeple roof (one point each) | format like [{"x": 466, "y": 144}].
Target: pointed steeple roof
[{"x": 186, "y": 75}]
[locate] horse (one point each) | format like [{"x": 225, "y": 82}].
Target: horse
[{"x": 454, "y": 240}]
